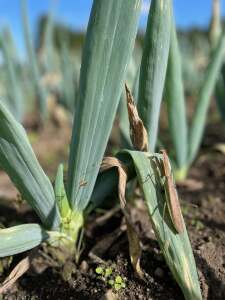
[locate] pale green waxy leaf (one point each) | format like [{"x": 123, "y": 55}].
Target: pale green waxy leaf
[
  {"x": 153, "y": 66},
  {"x": 21, "y": 238},
  {"x": 109, "y": 42},
  {"x": 18, "y": 160},
  {"x": 34, "y": 68},
  {"x": 205, "y": 94},
  {"x": 175, "y": 247},
  {"x": 60, "y": 193},
  {"x": 174, "y": 94}
]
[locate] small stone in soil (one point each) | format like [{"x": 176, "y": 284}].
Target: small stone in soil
[{"x": 84, "y": 266}]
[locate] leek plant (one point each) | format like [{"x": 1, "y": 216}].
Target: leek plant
[
  {"x": 109, "y": 43},
  {"x": 148, "y": 166},
  {"x": 187, "y": 139}
]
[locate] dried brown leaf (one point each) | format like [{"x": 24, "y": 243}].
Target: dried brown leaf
[
  {"x": 171, "y": 195},
  {"x": 113, "y": 162},
  {"x": 138, "y": 133},
  {"x": 21, "y": 268},
  {"x": 135, "y": 250},
  {"x": 134, "y": 243}
]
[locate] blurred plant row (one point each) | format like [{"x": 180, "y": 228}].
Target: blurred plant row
[{"x": 48, "y": 71}]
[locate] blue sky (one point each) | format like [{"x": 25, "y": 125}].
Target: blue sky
[{"x": 75, "y": 13}]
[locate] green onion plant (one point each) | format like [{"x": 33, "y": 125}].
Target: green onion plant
[
  {"x": 147, "y": 166},
  {"x": 107, "y": 51},
  {"x": 108, "y": 47}
]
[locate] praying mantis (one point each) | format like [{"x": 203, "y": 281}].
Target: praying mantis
[{"x": 172, "y": 200}]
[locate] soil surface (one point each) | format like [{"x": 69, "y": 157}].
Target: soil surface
[{"x": 203, "y": 204}]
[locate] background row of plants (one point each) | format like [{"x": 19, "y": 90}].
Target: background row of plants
[
  {"x": 92, "y": 95},
  {"x": 53, "y": 58}
]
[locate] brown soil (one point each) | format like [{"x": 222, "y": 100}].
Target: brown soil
[{"x": 203, "y": 204}]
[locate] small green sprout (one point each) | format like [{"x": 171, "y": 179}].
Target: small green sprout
[
  {"x": 115, "y": 281},
  {"x": 119, "y": 283},
  {"x": 117, "y": 286},
  {"x": 108, "y": 272},
  {"x": 118, "y": 279},
  {"x": 197, "y": 224},
  {"x": 111, "y": 282},
  {"x": 99, "y": 270}
]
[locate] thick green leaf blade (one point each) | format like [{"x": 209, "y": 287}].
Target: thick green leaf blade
[
  {"x": 110, "y": 39},
  {"x": 199, "y": 118},
  {"x": 21, "y": 238},
  {"x": 174, "y": 94},
  {"x": 153, "y": 66},
  {"x": 176, "y": 248},
  {"x": 20, "y": 163}
]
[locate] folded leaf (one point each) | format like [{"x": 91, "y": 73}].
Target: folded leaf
[{"x": 107, "y": 183}]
